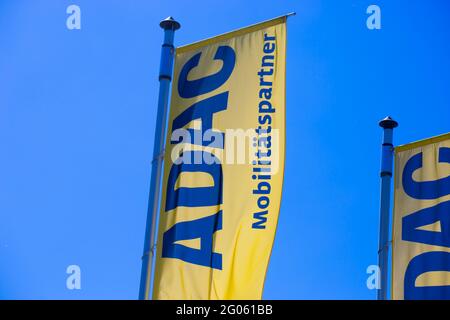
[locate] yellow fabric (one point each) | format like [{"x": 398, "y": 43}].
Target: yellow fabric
[
  {"x": 405, "y": 205},
  {"x": 245, "y": 251}
]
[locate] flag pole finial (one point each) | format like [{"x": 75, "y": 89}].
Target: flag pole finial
[
  {"x": 170, "y": 23},
  {"x": 388, "y": 123}
]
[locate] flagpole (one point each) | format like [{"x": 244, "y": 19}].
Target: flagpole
[
  {"x": 387, "y": 150},
  {"x": 165, "y": 76}
]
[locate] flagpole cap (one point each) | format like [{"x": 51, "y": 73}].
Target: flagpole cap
[
  {"x": 388, "y": 123},
  {"x": 170, "y": 23}
]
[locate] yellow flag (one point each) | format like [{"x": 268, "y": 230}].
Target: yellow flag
[
  {"x": 224, "y": 164},
  {"x": 421, "y": 229}
]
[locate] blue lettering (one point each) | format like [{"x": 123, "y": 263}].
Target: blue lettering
[
  {"x": 199, "y": 196},
  {"x": 425, "y": 189},
  {"x": 202, "y": 196},
  {"x": 439, "y": 212},
  {"x": 426, "y": 262},
  {"x": 203, "y": 110},
  {"x": 203, "y": 228},
  {"x": 262, "y": 219},
  {"x": 192, "y": 88}
]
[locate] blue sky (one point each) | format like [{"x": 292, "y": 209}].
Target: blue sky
[{"x": 77, "y": 116}]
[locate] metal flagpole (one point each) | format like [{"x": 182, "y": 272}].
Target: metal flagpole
[
  {"x": 388, "y": 124},
  {"x": 165, "y": 76}
]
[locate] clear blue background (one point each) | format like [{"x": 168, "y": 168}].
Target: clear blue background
[{"x": 77, "y": 117}]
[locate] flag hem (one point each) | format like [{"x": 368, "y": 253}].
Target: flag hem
[
  {"x": 421, "y": 143},
  {"x": 231, "y": 34}
]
